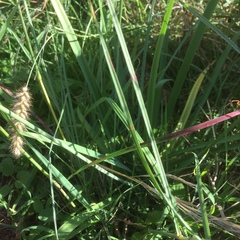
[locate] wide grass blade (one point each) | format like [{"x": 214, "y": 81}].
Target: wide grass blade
[
  {"x": 191, "y": 52},
  {"x": 191, "y": 100}
]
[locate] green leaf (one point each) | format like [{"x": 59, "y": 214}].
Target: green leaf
[
  {"x": 5, "y": 190},
  {"x": 46, "y": 215},
  {"x": 7, "y": 167},
  {"x": 38, "y": 205}
]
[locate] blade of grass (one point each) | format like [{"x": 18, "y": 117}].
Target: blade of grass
[
  {"x": 135, "y": 84},
  {"x": 191, "y": 52},
  {"x": 166, "y": 192},
  {"x": 121, "y": 97},
  {"x": 215, "y": 75},
  {"x": 73, "y": 41},
  {"x": 125, "y": 106},
  {"x": 213, "y": 27},
  {"x": 155, "y": 65},
  {"x": 201, "y": 199},
  {"x": 5, "y": 25},
  {"x": 191, "y": 100},
  {"x": 50, "y": 165}
]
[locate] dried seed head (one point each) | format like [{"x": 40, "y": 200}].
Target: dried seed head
[{"x": 21, "y": 107}]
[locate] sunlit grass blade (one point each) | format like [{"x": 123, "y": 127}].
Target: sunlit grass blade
[
  {"x": 191, "y": 100},
  {"x": 123, "y": 103},
  {"x": 156, "y": 59},
  {"x": 76, "y": 48},
  {"x": 126, "y": 110}
]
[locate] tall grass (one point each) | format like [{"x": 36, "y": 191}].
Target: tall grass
[{"x": 108, "y": 79}]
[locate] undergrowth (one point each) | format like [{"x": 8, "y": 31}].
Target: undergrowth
[{"x": 116, "y": 87}]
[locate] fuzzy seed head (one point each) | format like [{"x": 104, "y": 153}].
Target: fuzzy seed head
[
  {"x": 21, "y": 107},
  {"x": 17, "y": 145},
  {"x": 22, "y": 102}
]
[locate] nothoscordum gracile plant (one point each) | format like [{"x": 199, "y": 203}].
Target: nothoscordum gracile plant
[{"x": 21, "y": 107}]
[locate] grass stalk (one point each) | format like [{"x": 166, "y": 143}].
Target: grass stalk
[{"x": 201, "y": 199}]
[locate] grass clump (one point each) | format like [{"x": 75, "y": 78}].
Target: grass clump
[{"x": 117, "y": 87}]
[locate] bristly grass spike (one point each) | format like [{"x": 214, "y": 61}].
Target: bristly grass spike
[{"x": 21, "y": 107}]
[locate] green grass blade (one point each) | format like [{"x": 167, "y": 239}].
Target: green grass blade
[
  {"x": 201, "y": 199},
  {"x": 191, "y": 52},
  {"x": 134, "y": 81},
  {"x": 213, "y": 27},
  {"x": 76, "y": 48},
  {"x": 7, "y": 23},
  {"x": 156, "y": 59},
  {"x": 215, "y": 75},
  {"x": 191, "y": 100}
]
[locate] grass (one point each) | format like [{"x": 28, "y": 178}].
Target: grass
[{"x": 116, "y": 87}]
